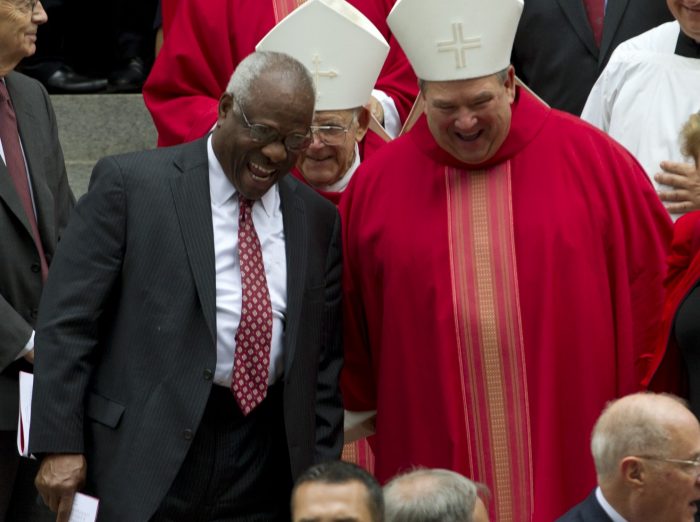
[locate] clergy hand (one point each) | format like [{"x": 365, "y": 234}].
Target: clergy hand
[
  {"x": 376, "y": 109},
  {"x": 684, "y": 179},
  {"x": 58, "y": 479}
]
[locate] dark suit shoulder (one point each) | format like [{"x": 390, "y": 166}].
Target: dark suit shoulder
[
  {"x": 154, "y": 164},
  {"x": 587, "y": 511},
  {"x": 315, "y": 202}
]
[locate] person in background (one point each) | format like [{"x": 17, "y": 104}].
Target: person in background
[
  {"x": 337, "y": 491},
  {"x": 675, "y": 365},
  {"x": 35, "y": 203},
  {"x": 562, "y": 46},
  {"x": 646, "y": 449},
  {"x": 644, "y": 96},
  {"x": 342, "y": 118},
  {"x": 433, "y": 495}
]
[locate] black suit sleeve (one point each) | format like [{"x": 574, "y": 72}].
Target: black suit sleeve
[
  {"x": 329, "y": 409},
  {"x": 85, "y": 268}
]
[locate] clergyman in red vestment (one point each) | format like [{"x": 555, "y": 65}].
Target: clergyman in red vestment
[{"x": 503, "y": 267}]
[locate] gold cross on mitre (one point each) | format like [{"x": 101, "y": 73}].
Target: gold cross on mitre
[
  {"x": 459, "y": 45},
  {"x": 318, "y": 73}
]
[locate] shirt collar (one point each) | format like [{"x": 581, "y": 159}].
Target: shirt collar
[
  {"x": 221, "y": 189},
  {"x": 609, "y": 510},
  {"x": 686, "y": 46}
]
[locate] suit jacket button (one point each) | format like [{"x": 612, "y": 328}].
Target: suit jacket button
[
  {"x": 208, "y": 374},
  {"x": 33, "y": 313},
  {"x": 187, "y": 434},
  {"x": 36, "y": 268}
]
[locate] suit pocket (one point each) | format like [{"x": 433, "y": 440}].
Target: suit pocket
[{"x": 103, "y": 410}]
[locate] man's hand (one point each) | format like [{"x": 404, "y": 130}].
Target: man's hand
[
  {"x": 376, "y": 109},
  {"x": 685, "y": 180},
  {"x": 60, "y": 476}
]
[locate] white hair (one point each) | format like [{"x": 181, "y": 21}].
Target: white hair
[
  {"x": 635, "y": 425},
  {"x": 255, "y": 64},
  {"x": 430, "y": 495}
]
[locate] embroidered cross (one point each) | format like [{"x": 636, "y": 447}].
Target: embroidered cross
[
  {"x": 459, "y": 45},
  {"x": 318, "y": 73}
]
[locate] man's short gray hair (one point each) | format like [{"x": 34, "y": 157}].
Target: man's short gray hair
[
  {"x": 635, "y": 425},
  {"x": 257, "y": 63},
  {"x": 430, "y": 495}
]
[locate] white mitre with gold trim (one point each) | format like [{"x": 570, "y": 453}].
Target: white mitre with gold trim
[
  {"x": 456, "y": 39},
  {"x": 342, "y": 49}
]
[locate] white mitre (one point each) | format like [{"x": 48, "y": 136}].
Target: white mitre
[
  {"x": 456, "y": 39},
  {"x": 342, "y": 49}
]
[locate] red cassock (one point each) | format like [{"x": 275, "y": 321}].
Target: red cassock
[
  {"x": 492, "y": 310},
  {"x": 207, "y": 39}
]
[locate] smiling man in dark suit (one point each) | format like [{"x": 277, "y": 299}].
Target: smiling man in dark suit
[
  {"x": 189, "y": 340},
  {"x": 35, "y": 202}
]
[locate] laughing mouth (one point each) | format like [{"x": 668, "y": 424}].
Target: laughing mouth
[
  {"x": 468, "y": 137},
  {"x": 258, "y": 172}
]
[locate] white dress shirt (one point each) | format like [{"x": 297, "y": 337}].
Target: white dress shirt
[
  {"x": 609, "y": 510},
  {"x": 267, "y": 218}
]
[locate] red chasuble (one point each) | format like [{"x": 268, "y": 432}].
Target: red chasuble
[
  {"x": 206, "y": 41},
  {"x": 491, "y": 310}
]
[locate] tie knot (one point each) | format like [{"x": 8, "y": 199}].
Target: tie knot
[{"x": 245, "y": 205}]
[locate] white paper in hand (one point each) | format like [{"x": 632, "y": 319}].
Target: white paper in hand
[
  {"x": 26, "y": 380},
  {"x": 84, "y": 508}
]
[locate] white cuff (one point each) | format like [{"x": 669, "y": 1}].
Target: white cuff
[{"x": 392, "y": 122}]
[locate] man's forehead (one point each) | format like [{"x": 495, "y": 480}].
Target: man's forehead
[
  {"x": 461, "y": 88},
  {"x": 335, "y": 116}
]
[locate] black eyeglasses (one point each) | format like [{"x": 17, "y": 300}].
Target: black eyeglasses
[{"x": 294, "y": 142}]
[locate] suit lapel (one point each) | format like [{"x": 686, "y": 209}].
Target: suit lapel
[
  {"x": 296, "y": 245},
  {"x": 26, "y": 125},
  {"x": 33, "y": 152},
  {"x": 190, "y": 189},
  {"x": 613, "y": 17},
  {"x": 575, "y": 13}
]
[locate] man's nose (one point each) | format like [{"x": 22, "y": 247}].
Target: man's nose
[
  {"x": 39, "y": 16},
  {"x": 465, "y": 119},
  {"x": 276, "y": 152}
]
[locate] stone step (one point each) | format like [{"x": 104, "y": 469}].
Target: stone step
[{"x": 92, "y": 126}]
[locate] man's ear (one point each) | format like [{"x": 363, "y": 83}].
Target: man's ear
[
  {"x": 362, "y": 124},
  {"x": 510, "y": 83},
  {"x": 225, "y": 106},
  {"x": 634, "y": 471}
]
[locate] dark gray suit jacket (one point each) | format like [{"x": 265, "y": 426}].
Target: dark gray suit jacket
[
  {"x": 554, "y": 51},
  {"x": 127, "y": 327},
  {"x": 587, "y": 511},
  {"x": 20, "y": 272}
]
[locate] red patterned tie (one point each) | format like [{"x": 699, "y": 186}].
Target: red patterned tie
[
  {"x": 595, "y": 10},
  {"x": 14, "y": 159},
  {"x": 254, "y": 334}
]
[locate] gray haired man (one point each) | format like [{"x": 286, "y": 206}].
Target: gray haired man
[
  {"x": 433, "y": 495},
  {"x": 646, "y": 449}
]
